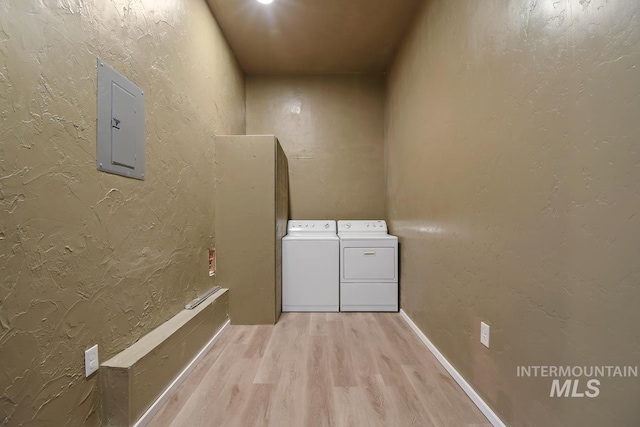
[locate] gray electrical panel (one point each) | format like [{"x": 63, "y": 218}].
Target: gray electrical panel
[{"x": 120, "y": 139}]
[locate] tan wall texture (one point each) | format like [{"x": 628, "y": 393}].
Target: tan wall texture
[
  {"x": 514, "y": 185},
  {"x": 332, "y": 131},
  {"x": 86, "y": 257}
]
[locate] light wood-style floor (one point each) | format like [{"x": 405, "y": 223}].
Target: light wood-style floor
[{"x": 317, "y": 369}]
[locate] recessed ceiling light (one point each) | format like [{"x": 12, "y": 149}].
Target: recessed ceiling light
[{"x": 265, "y": 1}]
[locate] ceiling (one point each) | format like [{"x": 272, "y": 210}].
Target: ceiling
[{"x": 314, "y": 36}]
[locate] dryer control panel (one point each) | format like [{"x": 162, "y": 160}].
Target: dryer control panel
[{"x": 362, "y": 226}]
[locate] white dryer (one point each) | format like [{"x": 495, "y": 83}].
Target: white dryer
[
  {"x": 368, "y": 267},
  {"x": 310, "y": 269}
]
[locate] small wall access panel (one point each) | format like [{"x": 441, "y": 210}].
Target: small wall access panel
[{"x": 120, "y": 139}]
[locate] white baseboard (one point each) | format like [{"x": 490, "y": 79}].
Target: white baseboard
[
  {"x": 166, "y": 395},
  {"x": 475, "y": 398}
]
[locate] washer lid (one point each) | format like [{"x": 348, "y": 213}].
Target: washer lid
[
  {"x": 367, "y": 227},
  {"x": 302, "y": 227}
]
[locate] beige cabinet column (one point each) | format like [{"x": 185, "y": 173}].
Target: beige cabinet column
[{"x": 251, "y": 212}]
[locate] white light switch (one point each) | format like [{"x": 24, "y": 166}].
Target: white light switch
[{"x": 91, "y": 362}]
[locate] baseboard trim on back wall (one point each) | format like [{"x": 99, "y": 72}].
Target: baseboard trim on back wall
[
  {"x": 466, "y": 387},
  {"x": 166, "y": 395}
]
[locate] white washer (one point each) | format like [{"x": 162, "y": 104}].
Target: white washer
[
  {"x": 368, "y": 267},
  {"x": 310, "y": 269}
]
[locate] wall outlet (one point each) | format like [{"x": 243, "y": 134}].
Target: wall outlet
[
  {"x": 485, "y": 331},
  {"x": 91, "y": 363}
]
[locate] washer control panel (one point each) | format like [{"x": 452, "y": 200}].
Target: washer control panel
[{"x": 311, "y": 226}]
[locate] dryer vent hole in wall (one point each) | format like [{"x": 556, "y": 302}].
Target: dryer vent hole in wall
[{"x": 212, "y": 262}]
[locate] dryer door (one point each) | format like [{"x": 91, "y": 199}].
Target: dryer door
[{"x": 369, "y": 264}]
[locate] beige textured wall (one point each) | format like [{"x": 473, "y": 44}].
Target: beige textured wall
[
  {"x": 87, "y": 257},
  {"x": 332, "y": 131},
  {"x": 514, "y": 185}
]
